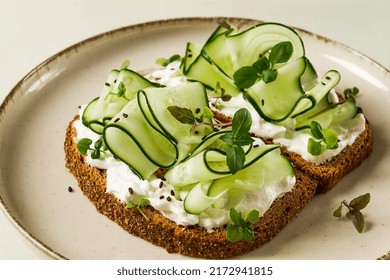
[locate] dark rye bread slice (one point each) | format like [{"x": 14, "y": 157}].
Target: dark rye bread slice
[
  {"x": 191, "y": 241},
  {"x": 329, "y": 173}
]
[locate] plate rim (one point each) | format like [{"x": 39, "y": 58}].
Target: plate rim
[{"x": 107, "y": 35}]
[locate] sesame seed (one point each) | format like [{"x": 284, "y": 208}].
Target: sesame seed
[
  {"x": 173, "y": 192},
  {"x": 107, "y": 84},
  {"x": 125, "y": 115},
  {"x": 161, "y": 184},
  {"x": 70, "y": 189},
  {"x": 169, "y": 198},
  {"x": 131, "y": 191},
  {"x": 116, "y": 120},
  {"x": 161, "y": 197}
]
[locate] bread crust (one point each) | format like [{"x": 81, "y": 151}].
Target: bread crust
[{"x": 192, "y": 241}]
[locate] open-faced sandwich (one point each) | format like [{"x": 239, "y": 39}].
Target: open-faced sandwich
[{"x": 213, "y": 154}]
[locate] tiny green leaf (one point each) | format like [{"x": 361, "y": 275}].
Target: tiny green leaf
[
  {"x": 261, "y": 64},
  {"x": 357, "y": 220},
  {"x": 337, "y": 212},
  {"x": 162, "y": 61},
  {"x": 130, "y": 204},
  {"x": 281, "y": 52},
  {"x": 174, "y": 58},
  {"x": 226, "y": 97},
  {"x": 228, "y": 138},
  {"x": 233, "y": 234},
  {"x": 360, "y": 202},
  {"x": 95, "y": 154},
  {"x": 316, "y": 130},
  {"x": 247, "y": 233},
  {"x": 242, "y": 122},
  {"x": 330, "y": 138},
  {"x": 245, "y": 77},
  {"x": 269, "y": 75},
  {"x": 236, "y": 217},
  {"x": 243, "y": 139},
  {"x": 235, "y": 157},
  {"x": 183, "y": 115},
  {"x": 252, "y": 216},
  {"x": 314, "y": 147},
  {"x": 125, "y": 64},
  {"x": 83, "y": 145}
]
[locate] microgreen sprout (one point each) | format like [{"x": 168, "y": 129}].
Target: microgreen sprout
[
  {"x": 323, "y": 139},
  {"x": 186, "y": 116},
  {"x": 354, "y": 210},
  {"x": 142, "y": 202},
  {"x": 264, "y": 68},
  {"x": 165, "y": 61},
  {"x": 219, "y": 93},
  {"x": 84, "y": 144},
  {"x": 239, "y": 228},
  {"x": 125, "y": 64},
  {"x": 234, "y": 139}
]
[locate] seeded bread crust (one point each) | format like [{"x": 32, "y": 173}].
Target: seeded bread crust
[
  {"x": 329, "y": 173},
  {"x": 192, "y": 241}
]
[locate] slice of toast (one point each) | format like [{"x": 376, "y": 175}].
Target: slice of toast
[
  {"x": 191, "y": 241},
  {"x": 329, "y": 173}
]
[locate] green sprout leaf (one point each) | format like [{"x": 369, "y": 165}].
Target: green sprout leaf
[
  {"x": 354, "y": 210},
  {"x": 165, "y": 61},
  {"x": 316, "y": 130},
  {"x": 233, "y": 233},
  {"x": 252, "y": 216},
  {"x": 261, "y": 64},
  {"x": 125, "y": 64},
  {"x": 360, "y": 202},
  {"x": 314, "y": 147},
  {"x": 323, "y": 139},
  {"x": 235, "y": 158},
  {"x": 242, "y": 122},
  {"x": 83, "y": 145},
  {"x": 245, "y": 77},
  {"x": 263, "y": 68},
  {"x": 330, "y": 138},
  {"x": 269, "y": 75},
  {"x": 238, "y": 137},
  {"x": 142, "y": 202},
  {"x": 281, "y": 52},
  {"x": 239, "y": 228},
  {"x": 183, "y": 115}
]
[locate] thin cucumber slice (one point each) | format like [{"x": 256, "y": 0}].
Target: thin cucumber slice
[
  {"x": 125, "y": 138},
  {"x": 332, "y": 117},
  {"x": 319, "y": 92},
  {"x": 192, "y": 52},
  {"x": 245, "y": 47},
  {"x": 154, "y": 103},
  {"x": 120, "y": 87},
  {"x": 277, "y": 100},
  {"x": 206, "y": 72},
  {"x": 227, "y": 191},
  {"x": 259, "y": 174}
]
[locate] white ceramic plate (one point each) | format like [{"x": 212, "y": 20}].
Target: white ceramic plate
[{"x": 34, "y": 182}]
